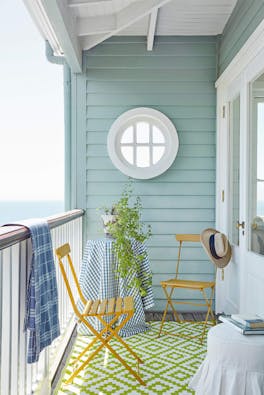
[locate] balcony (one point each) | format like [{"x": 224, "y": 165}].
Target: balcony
[{"x": 168, "y": 56}]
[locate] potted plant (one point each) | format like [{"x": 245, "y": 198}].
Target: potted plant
[
  {"x": 125, "y": 226},
  {"x": 109, "y": 217}
]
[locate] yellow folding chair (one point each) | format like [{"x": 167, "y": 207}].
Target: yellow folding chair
[
  {"x": 169, "y": 286},
  {"x": 113, "y": 308}
]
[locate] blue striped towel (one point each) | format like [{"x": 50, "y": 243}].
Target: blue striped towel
[{"x": 42, "y": 320}]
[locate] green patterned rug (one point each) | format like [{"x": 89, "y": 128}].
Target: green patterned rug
[{"x": 169, "y": 363}]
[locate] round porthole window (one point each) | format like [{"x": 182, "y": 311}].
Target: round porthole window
[{"x": 142, "y": 143}]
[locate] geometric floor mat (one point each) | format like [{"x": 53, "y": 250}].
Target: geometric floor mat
[{"x": 169, "y": 364}]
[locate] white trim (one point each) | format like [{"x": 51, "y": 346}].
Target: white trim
[
  {"x": 57, "y": 26},
  {"x": 154, "y": 117},
  {"x": 249, "y": 50},
  {"x": 41, "y": 19},
  {"x": 85, "y": 3}
]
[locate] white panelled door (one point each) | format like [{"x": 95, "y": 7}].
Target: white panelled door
[
  {"x": 240, "y": 179},
  {"x": 252, "y": 298}
]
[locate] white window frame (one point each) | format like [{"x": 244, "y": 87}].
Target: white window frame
[{"x": 154, "y": 118}]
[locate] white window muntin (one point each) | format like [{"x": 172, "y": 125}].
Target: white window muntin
[
  {"x": 155, "y": 119},
  {"x": 135, "y": 143}
]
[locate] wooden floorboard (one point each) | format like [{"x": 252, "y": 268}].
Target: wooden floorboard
[{"x": 189, "y": 316}]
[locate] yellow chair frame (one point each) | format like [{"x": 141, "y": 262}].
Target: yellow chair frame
[
  {"x": 175, "y": 283},
  {"x": 113, "y": 308}
]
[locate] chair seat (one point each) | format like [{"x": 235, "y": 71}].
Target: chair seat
[
  {"x": 187, "y": 284},
  {"x": 110, "y": 306}
]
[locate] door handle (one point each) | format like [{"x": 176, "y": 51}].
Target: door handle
[{"x": 240, "y": 225}]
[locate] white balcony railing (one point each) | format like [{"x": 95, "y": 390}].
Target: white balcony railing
[{"x": 16, "y": 376}]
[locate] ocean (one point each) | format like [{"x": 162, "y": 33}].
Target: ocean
[{"x": 19, "y": 210}]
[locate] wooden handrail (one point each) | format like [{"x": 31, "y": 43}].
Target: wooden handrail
[{"x": 10, "y": 235}]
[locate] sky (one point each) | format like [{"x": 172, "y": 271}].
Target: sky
[{"x": 31, "y": 111}]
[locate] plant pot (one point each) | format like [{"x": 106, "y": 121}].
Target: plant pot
[{"x": 108, "y": 219}]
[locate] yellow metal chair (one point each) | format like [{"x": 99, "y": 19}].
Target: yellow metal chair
[
  {"x": 113, "y": 308},
  {"x": 169, "y": 286}
]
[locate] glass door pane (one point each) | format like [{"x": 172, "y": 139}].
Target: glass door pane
[
  {"x": 234, "y": 111},
  {"x": 256, "y": 198}
]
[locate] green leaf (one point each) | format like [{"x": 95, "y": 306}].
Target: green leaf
[{"x": 128, "y": 226}]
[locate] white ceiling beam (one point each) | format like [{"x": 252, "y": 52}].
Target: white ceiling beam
[
  {"x": 95, "y": 25},
  {"x": 62, "y": 26},
  {"x": 84, "y": 3},
  {"x": 152, "y": 27},
  {"x": 125, "y": 18}
]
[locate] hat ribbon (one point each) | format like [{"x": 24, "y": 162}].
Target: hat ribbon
[{"x": 212, "y": 247}]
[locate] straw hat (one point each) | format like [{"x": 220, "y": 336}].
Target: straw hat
[{"x": 217, "y": 247}]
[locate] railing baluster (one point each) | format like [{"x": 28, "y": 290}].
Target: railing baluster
[
  {"x": 29, "y": 380},
  {"x": 21, "y": 333},
  {"x": 1, "y": 312},
  {"x": 6, "y": 323},
  {"x": 14, "y": 317}
]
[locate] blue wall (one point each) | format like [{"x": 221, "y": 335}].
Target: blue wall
[
  {"x": 244, "y": 20},
  {"x": 177, "y": 78}
]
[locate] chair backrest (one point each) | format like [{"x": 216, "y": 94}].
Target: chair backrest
[
  {"x": 63, "y": 255},
  {"x": 193, "y": 238}
]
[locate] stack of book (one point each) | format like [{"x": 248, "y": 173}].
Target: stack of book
[{"x": 245, "y": 324}]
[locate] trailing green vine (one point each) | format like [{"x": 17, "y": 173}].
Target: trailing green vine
[{"x": 126, "y": 227}]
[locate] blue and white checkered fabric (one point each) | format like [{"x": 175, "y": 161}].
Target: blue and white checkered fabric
[
  {"x": 41, "y": 319},
  {"x": 98, "y": 280}
]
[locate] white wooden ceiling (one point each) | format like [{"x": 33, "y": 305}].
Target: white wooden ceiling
[{"x": 71, "y": 26}]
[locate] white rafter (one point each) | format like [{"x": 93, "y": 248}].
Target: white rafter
[
  {"x": 73, "y": 25},
  {"x": 152, "y": 27},
  {"x": 124, "y": 18}
]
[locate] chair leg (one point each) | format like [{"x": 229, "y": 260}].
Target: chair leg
[
  {"x": 114, "y": 334},
  {"x": 125, "y": 344},
  {"x": 105, "y": 343},
  {"x": 208, "y": 302},
  {"x": 163, "y": 318},
  {"x": 98, "y": 337},
  {"x": 92, "y": 342},
  {"x": 169, "y": 303}
]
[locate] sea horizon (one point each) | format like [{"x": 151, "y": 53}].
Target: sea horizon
[{"x": 16, "y": 210}]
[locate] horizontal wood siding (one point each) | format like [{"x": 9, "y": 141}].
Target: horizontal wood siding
[
  {"x": 177, "y": 78},
  {"x": 244, "y": 20}
]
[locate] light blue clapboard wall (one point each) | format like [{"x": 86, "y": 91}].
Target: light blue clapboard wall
[
  {"x": 246, "y": 16},
  {"x": 177, "y": 78}
]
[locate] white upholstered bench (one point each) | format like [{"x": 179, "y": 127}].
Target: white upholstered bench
[{"x": 234, "y": 364}]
